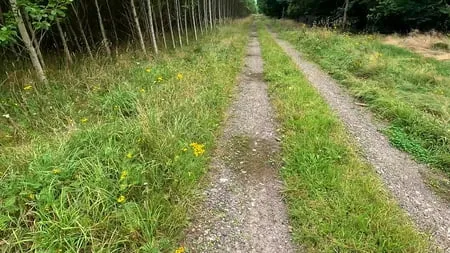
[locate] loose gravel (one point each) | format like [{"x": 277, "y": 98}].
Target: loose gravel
[
  {"x": 243, "y": 210},
  {"x": 400, "y": 173}
]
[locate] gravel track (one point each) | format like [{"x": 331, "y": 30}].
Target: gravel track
[
  {"x": 243, "y": 210},
  {"x": 400, "y": 173}
]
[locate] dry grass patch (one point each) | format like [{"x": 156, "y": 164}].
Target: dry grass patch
[{"x": 432, "y": 44}]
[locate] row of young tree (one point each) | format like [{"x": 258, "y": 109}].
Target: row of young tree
[
  {"x": 95, "y": 27},
  {"x": 371, "y": 15}
]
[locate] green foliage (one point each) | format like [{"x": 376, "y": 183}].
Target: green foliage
[
  {"x": 379, "y": 15},
  {"x": 407, "y": 90},
  {"x": 402, "y": 15},
  {"x": 272, "y": 8},
  {"x": 8, "y": 32},
  {"x": 99, "y": 159},
  {"x": 250, "y": 5},
  {"x": 336, "y": 202},
  {"x": 43, "y": 15}
]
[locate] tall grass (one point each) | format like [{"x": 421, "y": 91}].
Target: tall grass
[
  {"x": 407, "y": 90},
  {"x": 100, "y": 159},
  {"x": 336, "y": 202}
]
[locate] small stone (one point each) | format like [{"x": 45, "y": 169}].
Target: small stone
[{"x": 223, "y": 180}]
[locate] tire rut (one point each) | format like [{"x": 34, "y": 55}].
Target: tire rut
[
  {"x": 243, "y": 210},
  {"x": 400, "y": 173}
]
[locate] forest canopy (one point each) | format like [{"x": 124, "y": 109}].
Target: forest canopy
[{"x": 371, "y": 15}]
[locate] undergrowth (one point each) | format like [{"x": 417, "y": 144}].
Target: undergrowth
[
  {"x": 106, "y": 157},
  {"x": 336, "y": 202}
]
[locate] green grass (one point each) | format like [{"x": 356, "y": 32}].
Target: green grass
[
  {"x": 336, "y": 202},
  {"x": 410, "y": 92},
  {"x": 71, "y": 149}
]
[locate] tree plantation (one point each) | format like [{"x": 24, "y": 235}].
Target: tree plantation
[
  {"x": 108, "y": 111},
  {"x": 33, "y": 28}
]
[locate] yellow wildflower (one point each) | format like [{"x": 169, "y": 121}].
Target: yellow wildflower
[
  {"x": 199, "y": 149},
  {"x": 179, "y": 76},
  {"x": 56, "y": 171},
  {"x": 159, "y": 79},
  {"x": 142, "y": 90},
  {"x": 121, "y": 199},
  {"x": 148, "y": 70},
  {"x": 130, "y": 155},
  {"x": 180, "y": 250},
  {"x": 123, "y": 175},
  {"x": 84, "y": 120},
  {"x": 28, "y": 87}
]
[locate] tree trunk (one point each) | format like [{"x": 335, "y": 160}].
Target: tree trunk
[
  {"x": 177, "y": 4},
  {"x": 205, "y": 14},
  {"x": 89, "y": 30},
  {"x": 83, "y": 35},
  {"x": 116, "y": 38},
  {"x": 162, "y": 24},
  {"x": 170, "y": 24},
  {"x": 344, "y": 19},
  {"x": 2, "y": 21},
  {"x": 185, "y": 23},
  {"x": 210, "y": 14},
  {"x": 91, "y": 36},
  {"x": 26, "y": 40},
  {"x": 193, "y": 19},
  {"x": 138, "y": 26},
  {"x": 64, "y": 42},
  {"x": 33, "y": 39},
  {"x": 102, "y": 29},
  {"x": 152, "y": 31},
  {"x": 199, "y": 17},
  {"x": 75, "y": 38},
  {"x": 219, "y": 6},
  {"x": 155, "y": 24},
  {"x": 214, "y": 12}
]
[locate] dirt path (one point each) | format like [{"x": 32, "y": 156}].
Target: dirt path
[
  {"x": 243, "y": 209},
  {"x": 400, "y": 173}
]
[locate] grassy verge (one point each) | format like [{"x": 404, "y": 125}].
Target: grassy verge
[
  {"x": 105, "y": 158},
  {"x": 409, "y": 91},
  {"x": 336, "y": 202}
]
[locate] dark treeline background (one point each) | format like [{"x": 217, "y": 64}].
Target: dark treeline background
[
  {"x": 34, "y": 29},
  {"x": 370, "y": 15}
]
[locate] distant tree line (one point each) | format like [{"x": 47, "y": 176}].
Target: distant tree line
[
  {"x": 372, "y": 15},
  {"x": 32, "y": 28}
]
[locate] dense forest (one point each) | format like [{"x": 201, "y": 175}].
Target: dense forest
[
  {"x": 32, "y": 29},
  {"x": 379, "y": 15}
]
